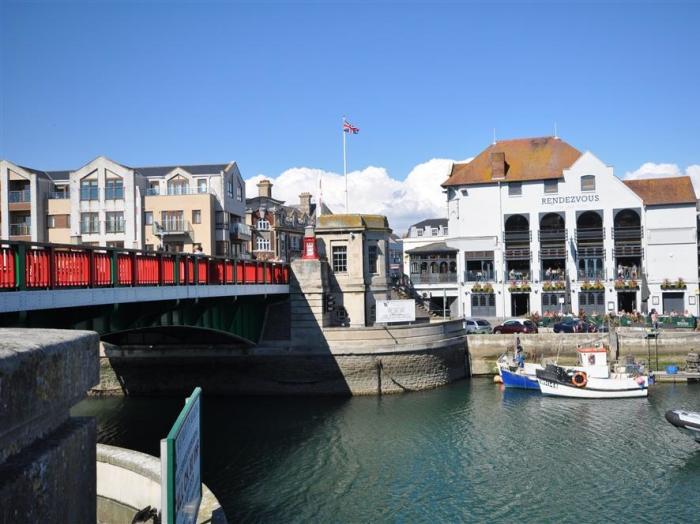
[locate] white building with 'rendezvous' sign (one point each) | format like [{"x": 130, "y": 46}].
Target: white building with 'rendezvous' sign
[{"x": 539, "y": 226}]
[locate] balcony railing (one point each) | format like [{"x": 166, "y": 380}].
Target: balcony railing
[
  {"x": 518, "y": 275},
  {"x": 20, "y": 230},
  {"x": 240, "y": 229},
  {"x": 590, "y": 234},
  {"x": 24, "y": 195},
  {"x": 433, "y": 278},
  {"x": 627, "y": 233},
  {"x": 553, "y": 275},
  {"x": 517, "y": 236},
  {"x": 591, "y": 274},
  {"x": 89, "y": 193},
  {"x": 552, "y": 252},
  {"x": 89, "y": 228},
  {"x": 59, "y": 195},
  {"x": 517, "y": 254},
  {"x": 114, "y": 193},
  {"x": 114, "y": 227},
  {"x": 552, "y": 235},
  {"x": 172, "y": 227},
  {"x": 176, "y": 190},
  {"x": 628, "y": 251},
  {"x": 591, "y": 252},
  {"x": 479, "y": 276}
]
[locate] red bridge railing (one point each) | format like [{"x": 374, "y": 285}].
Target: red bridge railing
[{"x": 31, "y": 265}]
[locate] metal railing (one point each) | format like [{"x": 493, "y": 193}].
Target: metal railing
[
  {"x": 627, "y": 233},
  {"x": 20, "y": 229},
  {"x": 114, "y": 226},
  {"x": 172, "y": 226},
  {"x": 89, "y": 193},
  {"x": 590, "y": 233},
  {"x": 553, "y": 275},
  {"x": 176, "y": 191},
  {"x": 24, "y": 195},
  {"x": 89, "y": 228},
  {"x": 518, "y": 275},
  {"x": 433, "y": 278},
  {"x": 114, "y": 193},
  {"x": 517, "y": 236},
  {"x": 26, "y": 266},
  {"x": 479, "y": 276},
  {"x": 240, "y": 229},
  {"x": 591, "y": 274},
  {"x": 59, "y": 195},
  {"x": 552, "y": 235}
]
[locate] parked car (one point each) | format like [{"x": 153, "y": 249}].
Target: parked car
[
  {"x": 477, "y": 325},
  {"x": 574, "y": 325},
  {"x": 516, "y": 325}
]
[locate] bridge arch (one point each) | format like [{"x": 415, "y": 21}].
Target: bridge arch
[{"x": 163, "y": 336}]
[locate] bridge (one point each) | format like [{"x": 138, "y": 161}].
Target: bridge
[{"x": 116, "y": 290}]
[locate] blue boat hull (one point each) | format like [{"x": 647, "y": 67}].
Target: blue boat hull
[{"x": 515, "y": 380}]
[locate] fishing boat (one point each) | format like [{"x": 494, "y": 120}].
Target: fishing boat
[
  {"x": 686, "y": 421},
  {"x": 516, "y": 373},
  {"x": 592, "y": 378}
]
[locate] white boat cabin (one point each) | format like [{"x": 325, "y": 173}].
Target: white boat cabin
[{"x": 594, "y": 361}]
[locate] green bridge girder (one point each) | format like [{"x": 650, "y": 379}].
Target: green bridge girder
[{"x": 242, "y": 316}]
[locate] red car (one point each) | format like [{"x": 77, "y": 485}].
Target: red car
[{"x": 516, "y": 325}]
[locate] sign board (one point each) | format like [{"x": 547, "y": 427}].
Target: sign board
[
  {"x": 180, "y": 466},
  {"x": 396, "y": 311}
]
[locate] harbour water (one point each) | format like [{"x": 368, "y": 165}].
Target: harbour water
[{"x": 467, "y": 452}]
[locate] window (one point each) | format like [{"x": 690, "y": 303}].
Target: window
[
  {"x": 229, "y": 188},
  {"x": 419, "y": 232},
  {"x": 239, "y": 193},
  {"x": 222, "y": 248},
  {"x": 149, "y": 247},
  {"x": 116, "y": 243},
  {"x": 51, "y": 222},
  {"x": 515, "y": 189},
  {"x": 196, "y": 216},
  {"x": 173, "y": 221},
  {"x": 551, "y": 186},
  {"x": 177, "y": 186},
  {"x": 340, "y": 259},
  {"x": 89, "y": 223},
  {"x": 444, "y": 231},
  {"x": 588, "y": 183},
  {"x": 434, "y": 231},
  {"x": 115, "y": 222},
  {"x": 154, "y": 188},
  {"x": 263, "y": 244},
  {"x": 115, "y": 190},
  {"x": 201, "y": 185},
  {"x": 263, "y": 225},
  {"x": 372, "y": 258},
  {"x": 149, "y": 218},
  {"x": 88, "y": 190}
]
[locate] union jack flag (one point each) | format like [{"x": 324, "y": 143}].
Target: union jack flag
[{"x": 349, "y": 128}]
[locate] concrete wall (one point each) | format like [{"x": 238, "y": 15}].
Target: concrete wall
[
  {"x": 128, "y": 481},
  {"x": 346, "y": 361},
  {"x": 672, "y": 346},
  {"x": 47, "y": 458}
]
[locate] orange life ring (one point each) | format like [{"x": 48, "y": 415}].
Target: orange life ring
[{"x": 579, "y": 379}]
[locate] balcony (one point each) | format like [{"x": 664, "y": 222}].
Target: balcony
[
  {"x": 114, "y": 193},
  {"x": 596, "y": 234},
  {"x": 59, "y": 195},
  {"x": 591, "y": 252},
  {"x": 622, "y": 234},
  {"x": 518, "y": 275},
  {"x": 172, "y": 227},
  {"x": 433, "y": 278},
  {"x": 515, "y": 237},
  {"x": 628, "y": 251},
  {"x": 17, "y": 230},
  {"x": 24, "y": 195},
  {"x": 517, "y": 254},
  {"x": 591, "y": 274},
  {"x": 552, "y": 253},
  {"x": 552, "y": 235},
  {"x": 176, "y": 191},
  {"x": 479, "y": 276},
  {"x": 241, "y": 230},
  {"x": 553, "y": 275}
]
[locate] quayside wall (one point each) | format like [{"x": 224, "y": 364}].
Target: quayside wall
[
  {"x": 673, "y": 346},
  {"x": 340, "y": 361}
]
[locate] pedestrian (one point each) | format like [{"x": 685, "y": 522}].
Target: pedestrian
[{"x": 655, "y": 319}]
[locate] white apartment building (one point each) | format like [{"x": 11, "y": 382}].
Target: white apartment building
[{"x": 540, "y": 226}]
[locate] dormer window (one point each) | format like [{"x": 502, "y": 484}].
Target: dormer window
[
  {"x": 588, "y": 183},
  {"x": 515, "y": 189}
]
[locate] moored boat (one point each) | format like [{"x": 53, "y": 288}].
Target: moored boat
[
  {"x": 592, "y": 378},
  {"x": 514, "y": 375},
  {"x": 687, "y": 421}
]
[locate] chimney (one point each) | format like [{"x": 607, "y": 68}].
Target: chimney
[
  {"x": 498, "y": 166},
  {"x": 305, "y": 202},
  {"x": 265, "y": 188}
]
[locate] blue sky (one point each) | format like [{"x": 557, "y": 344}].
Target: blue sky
[{"x": 266, "y": 84}]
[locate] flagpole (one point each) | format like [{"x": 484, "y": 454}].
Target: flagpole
[{"x": 345, "y": 167}]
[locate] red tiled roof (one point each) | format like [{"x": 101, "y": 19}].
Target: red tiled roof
[
  {"x": 660, "y": 191},
  {"x": 525, "y": 159}
]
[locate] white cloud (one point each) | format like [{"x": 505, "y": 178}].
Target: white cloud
[
  {"x": 652, "y": 170},
  {"x": 371, "y": 190}
]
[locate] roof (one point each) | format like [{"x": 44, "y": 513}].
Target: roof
[
  {"x": 198, "y": 169},
  {"x": 525, "y": 159},
  {"x": 258, "y": 201},
  {"x": 431, "y": 222},
  {"x": 435, "y": 247},
  {"x": 660, "y": 191},
  {"x": 352, "y": 221}
]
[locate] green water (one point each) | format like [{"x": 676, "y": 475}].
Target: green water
[{"x": 470, "y": 452}]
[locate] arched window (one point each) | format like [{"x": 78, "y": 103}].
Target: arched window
[
  {"x": 453, "y": 267},
  {"x": 433, "y": 267},
  {"x": 424, "y": 267},
  {"x": 443, "y": 267},
  {"x": 588, "y": 183}
]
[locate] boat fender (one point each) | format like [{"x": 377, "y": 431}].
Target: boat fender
[
  {"x": 640, "y": 380},
  {"x": 579, "y": 379},
  {"x": 497, "y": 379}
]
